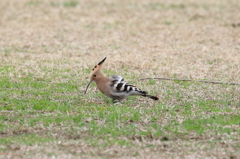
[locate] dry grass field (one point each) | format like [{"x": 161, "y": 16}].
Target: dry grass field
[{"x": 47, "y": 51}]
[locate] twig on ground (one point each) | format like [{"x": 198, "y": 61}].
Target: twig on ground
[{"x": 205, "y": 81}]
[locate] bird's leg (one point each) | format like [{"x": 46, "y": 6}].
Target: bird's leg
[{"x": 115, "y": 101}]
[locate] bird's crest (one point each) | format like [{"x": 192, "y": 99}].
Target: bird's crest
[{"x": 99, "y": 65}]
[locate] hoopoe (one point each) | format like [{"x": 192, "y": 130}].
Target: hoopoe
[{"x": 114, "y": 87}]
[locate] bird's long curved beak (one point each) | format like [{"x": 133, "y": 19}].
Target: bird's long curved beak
[{"x": 88, "y": 86}]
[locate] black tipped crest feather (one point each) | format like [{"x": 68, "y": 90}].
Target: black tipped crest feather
[{"x": 100, "y": 63}]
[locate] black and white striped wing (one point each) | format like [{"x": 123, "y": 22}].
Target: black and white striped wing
[
  {"x": 121, "y": 89},
  {"x": 118, "y": 78},
  {"x": 127, "y": 88}
]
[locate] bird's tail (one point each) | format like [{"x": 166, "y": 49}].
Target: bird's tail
[
  {"x": 145, "y": 94},
  {"x": 150, "y": 96},
  {"x": 138, "y": 91}
]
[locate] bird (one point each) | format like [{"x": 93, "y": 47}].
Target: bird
[{"x": 114, "y": 87}]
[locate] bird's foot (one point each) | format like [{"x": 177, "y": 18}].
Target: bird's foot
[{"x": 116, "y": 102}]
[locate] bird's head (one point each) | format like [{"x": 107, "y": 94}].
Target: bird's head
[{"x": 96, "y": 73}]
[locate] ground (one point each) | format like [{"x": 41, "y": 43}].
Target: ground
[{"x": 47, "y": 52}]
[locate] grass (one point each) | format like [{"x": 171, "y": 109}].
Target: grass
[
  {"x": 34, "y": 110},
  {"x": 50, "y": 47}
]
